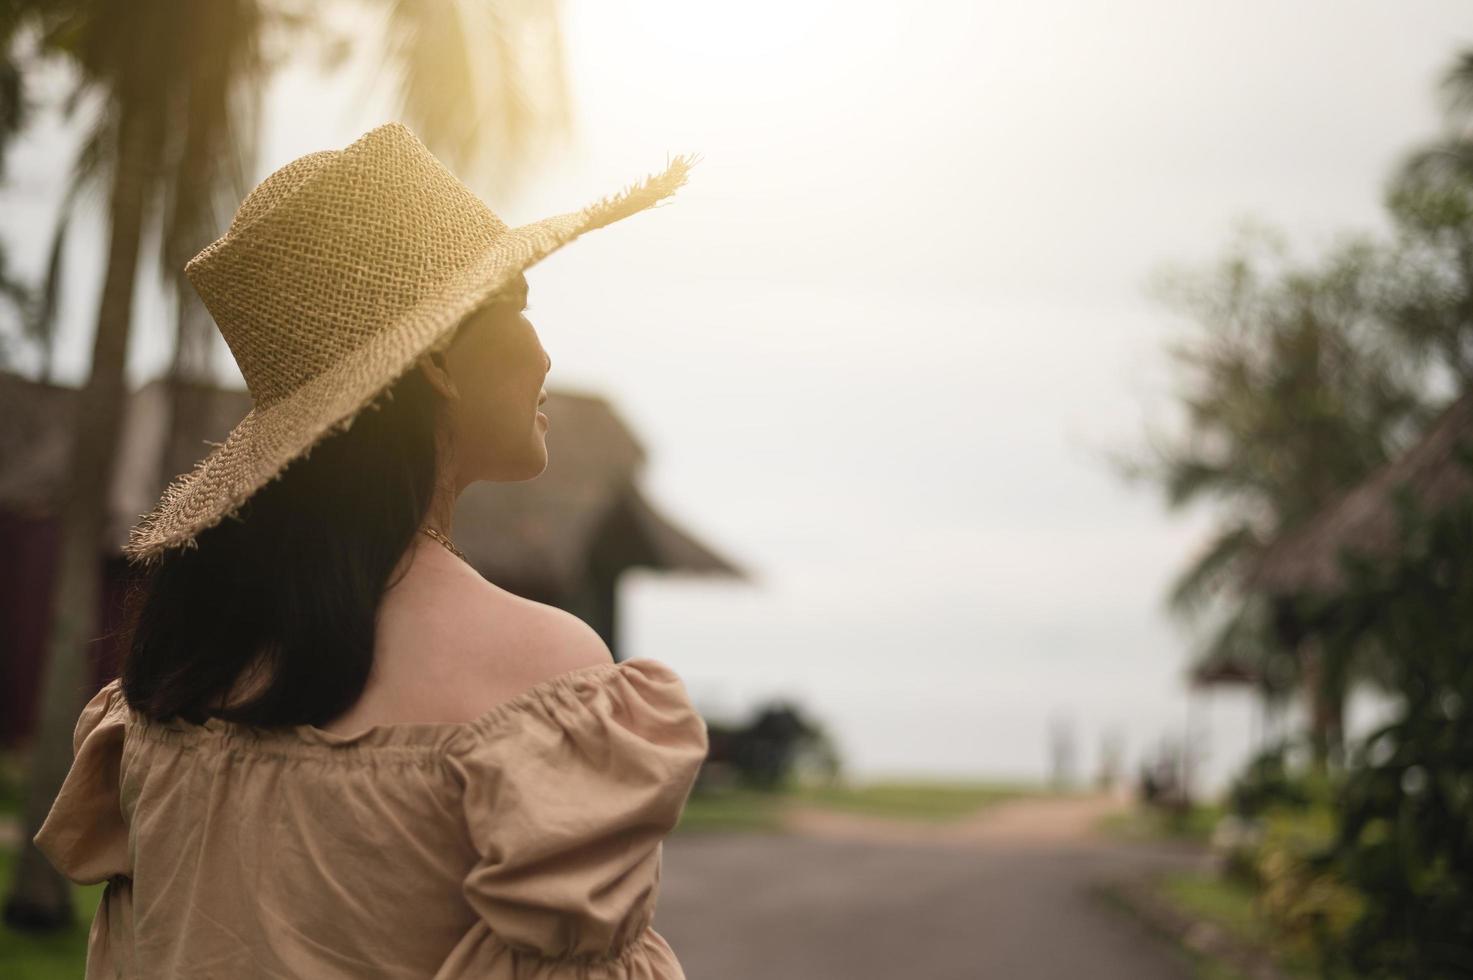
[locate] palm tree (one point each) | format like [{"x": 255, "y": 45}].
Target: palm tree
[
  {"x": 177, "y": 83},
  {"x": 113, "y": 50},
  {"x": 1291, "y": 392}
]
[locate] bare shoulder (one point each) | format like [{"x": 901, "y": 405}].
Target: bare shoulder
[
  {"x": 546, "y": 640},
  {"x": 450, "y": 649}
]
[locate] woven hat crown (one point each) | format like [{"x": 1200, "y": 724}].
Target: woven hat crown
[
  {"x": 337, "y": 273},
  {"x": 334, "y": 248},
  {"x": 281, "y": 183}
]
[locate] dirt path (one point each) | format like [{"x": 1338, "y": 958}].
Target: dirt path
[
  {"x": 1033, "y": 822},
  {"x": 1009, "y": 893}
]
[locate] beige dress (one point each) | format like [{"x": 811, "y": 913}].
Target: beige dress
[{"x": 524, "y": 845}]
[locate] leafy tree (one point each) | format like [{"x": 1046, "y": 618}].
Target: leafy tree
[
  {"x": 1291, "y": 389},
  {"x": 1303, "y": 379}
]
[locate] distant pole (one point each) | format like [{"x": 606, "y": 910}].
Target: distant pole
[
  {"x": 1187, "y": 750},
  {"x": 1061, "y": 745}
]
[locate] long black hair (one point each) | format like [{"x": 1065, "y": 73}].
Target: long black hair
[{"x": 294, "y": 577}]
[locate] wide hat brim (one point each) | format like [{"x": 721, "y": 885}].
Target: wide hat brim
[{"x": 269, "y": 438}]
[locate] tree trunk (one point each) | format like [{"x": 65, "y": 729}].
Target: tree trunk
[
  {"x": 40, "y": 898},
  {"x": 189, "y": 368},
  {"x": 1326, "y": 703}
]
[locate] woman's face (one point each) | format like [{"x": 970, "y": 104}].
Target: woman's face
[{"x": 497, "y": 366}]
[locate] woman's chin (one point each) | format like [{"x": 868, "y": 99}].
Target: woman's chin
[
  {"x": 527, "y": 466},
  {"x": 537, "y": 460}
]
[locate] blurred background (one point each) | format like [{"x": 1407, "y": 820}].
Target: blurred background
[{"x": 1034, "y": 434}]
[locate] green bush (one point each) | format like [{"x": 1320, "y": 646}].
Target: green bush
[
  {"x": 1311, "y": 907},
  {"x": 1281, "y": 813}
]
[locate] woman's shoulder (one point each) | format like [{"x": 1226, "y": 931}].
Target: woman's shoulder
[
  {"x": 510, "y": 644},
  {"x": 450, "y": 650}
]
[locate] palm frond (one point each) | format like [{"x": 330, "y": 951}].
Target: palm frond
[
  {"x": 1210, "y": 574},
  {"x": 483, "y": 83}
]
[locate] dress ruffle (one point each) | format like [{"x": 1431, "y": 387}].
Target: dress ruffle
[
  {"x": 85, "y": 836},
  {"x": 567, "y": 802}
]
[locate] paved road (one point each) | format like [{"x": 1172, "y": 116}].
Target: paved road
[{"x": 1004, "y": 895}]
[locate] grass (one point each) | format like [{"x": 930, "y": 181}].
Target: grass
[
  {"x": 733, "y": 810},
  {"x": 935, "y": 802},
  {"x": 1226, "y": 904},
  {"x": 51, "y": 957},
  {"x": 921, "y": 800},
  {"x": 1229, "y": 905}
]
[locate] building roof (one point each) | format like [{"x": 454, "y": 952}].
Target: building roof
[
  {"x": 541, "y": 531},
  {"x": 1364, "y": 519}
]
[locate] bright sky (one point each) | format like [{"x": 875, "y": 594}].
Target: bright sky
[{"x": 879, "y": 344}]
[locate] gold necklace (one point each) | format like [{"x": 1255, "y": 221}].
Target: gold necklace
[{"x": 445, "y": 541}]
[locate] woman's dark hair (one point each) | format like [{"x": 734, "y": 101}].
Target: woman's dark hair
[{"x": 295, "y": 577}]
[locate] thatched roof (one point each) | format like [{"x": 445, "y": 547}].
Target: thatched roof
[
  {"x": 1364, "y": 520},
  {"x": 540, "y": 531}
]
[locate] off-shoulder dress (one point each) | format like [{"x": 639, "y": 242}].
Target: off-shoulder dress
[{"x": 524, "y": 845}]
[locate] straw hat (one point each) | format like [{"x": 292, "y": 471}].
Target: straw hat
[{"x": 337, "y": 274}]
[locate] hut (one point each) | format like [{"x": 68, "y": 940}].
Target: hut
[
  {"x": 563, "y": 539},
  {"x": 1364, "y": 520}
]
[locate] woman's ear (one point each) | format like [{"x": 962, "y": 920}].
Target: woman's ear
[{"x": 437, "y": 370}]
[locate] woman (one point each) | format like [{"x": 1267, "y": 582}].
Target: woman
[{"x": 335, "y": 750}]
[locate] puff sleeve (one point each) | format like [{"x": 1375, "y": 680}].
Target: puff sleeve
[
  {"x": 84, "y": 835},
  {"x": 569, "y": 791}
]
